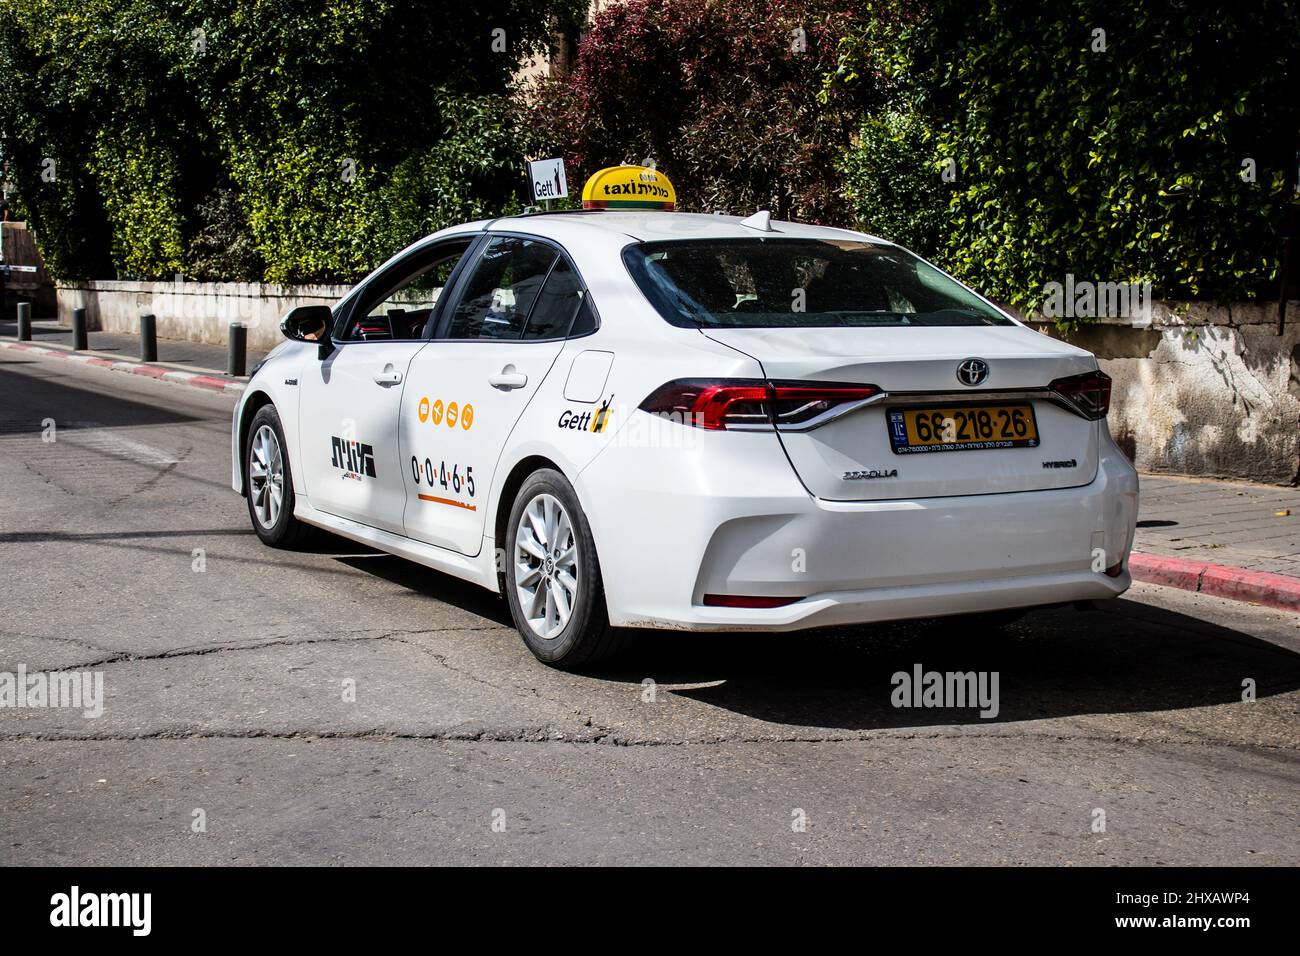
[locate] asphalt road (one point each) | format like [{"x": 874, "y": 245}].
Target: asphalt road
[{"x": 224, "y": 692}]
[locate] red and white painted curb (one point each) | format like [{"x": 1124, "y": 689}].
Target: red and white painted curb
[
  {"x": 1281, "y": 591},
  {"x": 194, "y": 379}
]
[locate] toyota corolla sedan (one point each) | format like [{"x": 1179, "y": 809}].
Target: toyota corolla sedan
[{"x": 627, "y": 419}]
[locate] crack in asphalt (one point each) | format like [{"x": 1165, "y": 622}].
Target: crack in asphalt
[
  {"x": 152, "y": 480},
  {"x": 77, "y": 642},
  {"x": 126, "y": 657},
  {"x": 589, "y": 720},
  {"x": 548, "y": 734},
  {"x": 47, "y": 479}
]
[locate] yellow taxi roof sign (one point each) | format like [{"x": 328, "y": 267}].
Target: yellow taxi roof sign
[{"x": 629, "y": 187}]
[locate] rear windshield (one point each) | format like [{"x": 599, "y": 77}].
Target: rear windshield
[{"x": 798, "y": 283}]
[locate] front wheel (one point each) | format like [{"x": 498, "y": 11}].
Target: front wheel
[
  {"x": 269, "y": 482},
  {"x": 553, "y": 580}
]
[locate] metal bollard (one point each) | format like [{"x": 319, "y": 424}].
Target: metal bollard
[
  {"x": 237, "y": 350},
  {"x": 24, "y": 321},
  {"x": 148, "y": 338},
  {"x": 79, "y": 342}
]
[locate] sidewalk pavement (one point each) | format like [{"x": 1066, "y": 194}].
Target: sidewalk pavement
[
  {"x": 1222, "y": 522},
  {"x": 196, "y": 364},
  {"x": 1232, "y": 539},
  {"x": 1227, "y": 538}
]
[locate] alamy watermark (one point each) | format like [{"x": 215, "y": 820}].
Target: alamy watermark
[
  {"x": 1088, "y": 299},
  {"x": 81, "y": 690},
  {"x": 947, "y": 690},
  {"x": 223, "y": 301},
  {"x": 133, "y": 911}
]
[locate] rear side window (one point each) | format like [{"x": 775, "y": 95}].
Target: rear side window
[
  {"x": 501, "y": 290},
  {"x": 799, "y": 283},
  {"x": 584, "y": 323},
  {"x": 561, "y": 298}
]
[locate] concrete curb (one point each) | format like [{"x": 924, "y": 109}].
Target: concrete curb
[
  {"x": 1281, "y": 591},
  {"x": 209, "y": 383}
]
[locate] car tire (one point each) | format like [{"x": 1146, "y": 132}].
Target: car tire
[
  {"x": 551, "y": 562},
  {"x": 266, "y": 471}
]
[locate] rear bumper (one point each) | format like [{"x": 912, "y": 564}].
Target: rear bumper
[
  {"x": 662, "y": 548},
  {"x": 903, "y": 602}
]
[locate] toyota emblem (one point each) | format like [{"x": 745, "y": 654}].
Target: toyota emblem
[{"x": 973, "y": 371}]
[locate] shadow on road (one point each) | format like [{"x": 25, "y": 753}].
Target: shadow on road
[
  {"x": 25, "y": 400},
  {"x": 1122, "y": 657},
  {"x": 416, "y": 577}
]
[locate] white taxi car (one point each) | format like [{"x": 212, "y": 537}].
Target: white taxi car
[{"x": 634, "y": 418}]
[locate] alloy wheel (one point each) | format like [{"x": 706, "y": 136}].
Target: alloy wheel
[
  {"x": 546, "y": 566},
  {"x": 266, "y": 476}
]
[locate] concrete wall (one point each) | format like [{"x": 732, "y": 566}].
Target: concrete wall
[
  {"x": 1205, "y": 389},
  {"x": 192, "y": 311},
  {"x": 1202, "y": 390}
]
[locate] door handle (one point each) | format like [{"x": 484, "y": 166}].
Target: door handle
[
  {"x": 508, "y": 378},
  {"x": 389, "y": 376}
]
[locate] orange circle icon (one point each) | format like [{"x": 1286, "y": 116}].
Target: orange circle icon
[
  {"x": 424, "y": 409},
  {"x": 436, "y": 412},
  {"x": 453, "y": 412},
  {"x": 467, "y": 417}
]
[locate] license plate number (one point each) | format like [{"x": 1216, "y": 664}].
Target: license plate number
[{"x": 962, "y": 428}]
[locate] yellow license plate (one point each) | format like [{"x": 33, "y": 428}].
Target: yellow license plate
[{"x": 962, "y": 428}]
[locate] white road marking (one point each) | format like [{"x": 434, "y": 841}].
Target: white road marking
[{"x": 101, "y": 438}]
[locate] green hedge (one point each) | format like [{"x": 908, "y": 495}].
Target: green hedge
[
  {"x": 1121, "y": 164},
  {"x": 285, "y": 140},
  {"x": 211, "y": 137}
]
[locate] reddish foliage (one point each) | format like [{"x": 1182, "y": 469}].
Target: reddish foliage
[{"x": 717, "y": 93}]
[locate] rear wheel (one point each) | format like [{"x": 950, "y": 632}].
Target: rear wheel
[
  {"x": 553, "y": 580},
  {"x": 269, "y": 483}
]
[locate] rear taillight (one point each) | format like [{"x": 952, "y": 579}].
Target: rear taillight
[
  {"x": 1088, "y": 394},
  {"x": 748, "y": 404},
  {"x": 729, "y": 403}
]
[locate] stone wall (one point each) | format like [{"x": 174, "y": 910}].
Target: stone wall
[{"x": 1205, "y": 389}]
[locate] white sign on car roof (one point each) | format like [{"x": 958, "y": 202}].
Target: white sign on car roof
[{"x": 548, "y": 179}]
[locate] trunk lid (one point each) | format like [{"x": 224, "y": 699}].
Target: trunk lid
[{"x": 854, "y": 457}]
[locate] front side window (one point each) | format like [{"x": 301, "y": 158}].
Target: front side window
[
  {"x": 397, "y": 304},
  {"x": 500, "y": 292},
  {"x": 799, "y": 283}
]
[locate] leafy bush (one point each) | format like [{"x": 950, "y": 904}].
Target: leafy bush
[
  {"x": 721, "y": 93},
  {"x": 222, "y": 246},
  {"x": 139, "y": 184},
  {"x": 314, "y": 137},
  {"x": 892, "y": 184},
  {"x": 474, "y": 170},
  {"x": 1121, "y": 164}
]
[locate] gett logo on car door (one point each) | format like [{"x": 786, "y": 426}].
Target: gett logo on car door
[{"x": 586, "y": 420}]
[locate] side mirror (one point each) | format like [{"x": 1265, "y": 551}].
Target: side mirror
[
  {"x": 307, "y": 323},
  {"x": 310, "y": 323}
]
